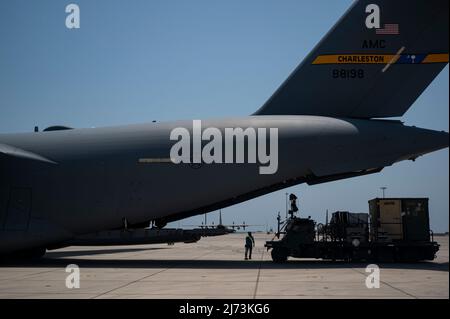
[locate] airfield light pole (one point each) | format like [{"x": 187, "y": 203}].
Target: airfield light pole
[{"x": 383, "y": 189}]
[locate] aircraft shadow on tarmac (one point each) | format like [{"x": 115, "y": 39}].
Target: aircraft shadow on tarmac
[
  {"x": 64, "y": 258},
  {"x": 74, "y": 253}
]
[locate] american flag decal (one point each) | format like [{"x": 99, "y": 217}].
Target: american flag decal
[{"x": 390, "y": 29}]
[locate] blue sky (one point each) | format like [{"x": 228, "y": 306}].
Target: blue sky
[{"x": 143, "y": 60}]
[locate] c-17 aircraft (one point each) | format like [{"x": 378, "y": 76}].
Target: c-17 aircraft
[{"x": 329, "y": 120}]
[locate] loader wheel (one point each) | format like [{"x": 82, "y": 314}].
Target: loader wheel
[{"x": 279, "y": 255}]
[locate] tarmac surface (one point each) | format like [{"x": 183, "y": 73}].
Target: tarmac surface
[{"x": 215, "y": 268}]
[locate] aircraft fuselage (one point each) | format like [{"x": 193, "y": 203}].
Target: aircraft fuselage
[{"x": 98, "y": 177}]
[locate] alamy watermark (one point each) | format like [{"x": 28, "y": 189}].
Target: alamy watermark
[
  {"x": 373, "y": 279},
  {"x": 73, "y": 279},
  {"x": 228, "y": 147},
  {"x": 73, "y": 17}
]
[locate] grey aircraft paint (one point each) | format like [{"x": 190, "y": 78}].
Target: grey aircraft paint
[{"x": 59, "y": 184}]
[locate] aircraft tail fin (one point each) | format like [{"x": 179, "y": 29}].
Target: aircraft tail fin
[{"x": 374, "y": 63}]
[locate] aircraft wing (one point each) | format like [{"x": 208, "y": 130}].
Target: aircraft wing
[{"x": 374, "y": 63}]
